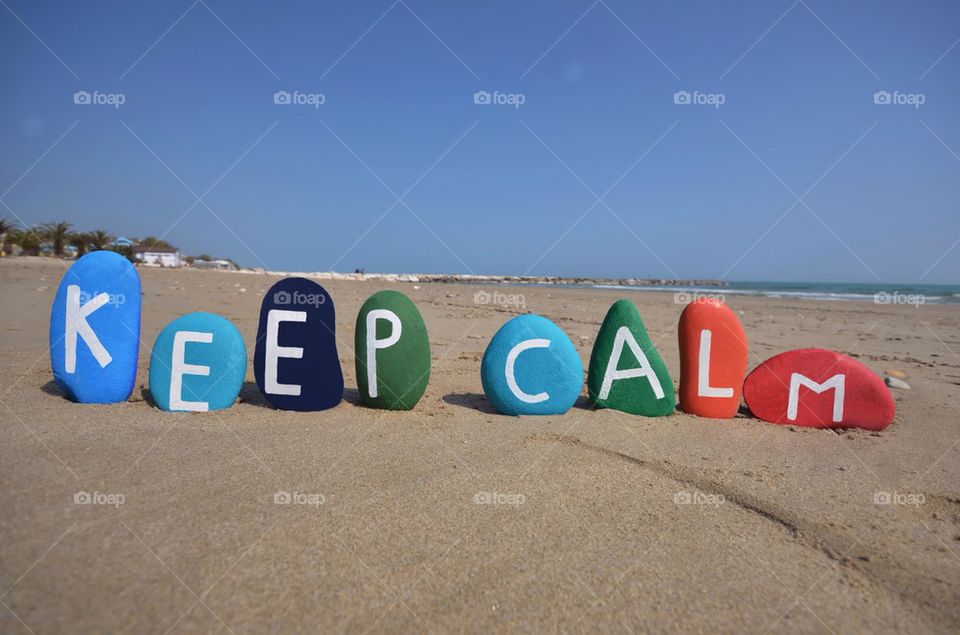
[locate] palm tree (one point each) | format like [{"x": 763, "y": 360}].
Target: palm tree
[
  {"x": 152, "y": 241},
  {"x": 99, "y": 239},
  {"x": 27, "y": 239},
  {"x": 58, "y": 234},
  {"x": 6, "y": 226},
  {"x": 80, "y": 240},
  {"x": 126, "y": 251}
]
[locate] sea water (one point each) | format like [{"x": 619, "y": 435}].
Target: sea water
[{"x": 876, "y": 293}]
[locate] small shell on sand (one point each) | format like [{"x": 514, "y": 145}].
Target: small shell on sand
[
  {"x": 894, "y": 382},
  {"x": 895, "y": 373}
]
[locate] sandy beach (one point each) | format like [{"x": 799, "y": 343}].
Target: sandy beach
[{"x": 452, "y": 518}]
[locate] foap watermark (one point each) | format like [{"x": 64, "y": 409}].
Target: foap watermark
[
  {"x": 506, "y": 300},
  {"x": 884, "y": 497},
  {"x": 697, "y": 297},
  {"x": 98, "y": 498},
  {"x": 96, "y": 98},
  {"x": 115, "y": 300},
  {"x": 696, "y": 98},
  {"x": 886, "y": 297},
  {"x": 298, "y": 498},
  {"x": 296, "y": 98},
  {"x": 896, "y": 98},
  {"x": 683, "y": 497},
  {"x": 499, "y": 498},
  {"x": 496, "y": 98},
  {"x": 298, "y": 298}
]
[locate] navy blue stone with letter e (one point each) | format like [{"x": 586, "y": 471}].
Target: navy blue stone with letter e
[{"x": 295, "y": 361}]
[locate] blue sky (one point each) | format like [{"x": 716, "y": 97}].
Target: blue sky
[{"x": 797, "y": 175}]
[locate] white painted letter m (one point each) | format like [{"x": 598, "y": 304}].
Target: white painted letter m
[{"x": 836, "y": 383}]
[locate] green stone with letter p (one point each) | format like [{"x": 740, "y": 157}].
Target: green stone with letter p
[{"x": 392, "y": 352}]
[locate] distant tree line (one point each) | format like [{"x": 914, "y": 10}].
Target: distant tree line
[{"x": 59, "y": 238}]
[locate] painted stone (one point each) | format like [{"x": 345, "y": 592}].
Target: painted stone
[
  {"x": 392, "y": 352},
  {"x": 626, "y": 372},
  {"x": 295, "y": 361},
  {"x": 817, "y": 388},
  {"x": 531, "y": 367},
  {"x": 95, "y": 329},
  {"x": 713, "y": 359},
  {"x": 197, "y": 364}
]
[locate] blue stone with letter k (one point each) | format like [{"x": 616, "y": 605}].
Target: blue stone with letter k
[{"x": 95, "y": 329}]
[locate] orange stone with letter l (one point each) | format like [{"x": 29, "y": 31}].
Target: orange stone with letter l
[
  {"x": 713, "y": 359},
  {"x": 817, "y": 388}
]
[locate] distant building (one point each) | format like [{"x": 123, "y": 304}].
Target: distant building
[
  {"x": 218, "y": 265},
  {"x": 158, "y": 256}
]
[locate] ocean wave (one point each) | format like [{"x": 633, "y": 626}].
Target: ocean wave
[{"x": 807, "y": 294}]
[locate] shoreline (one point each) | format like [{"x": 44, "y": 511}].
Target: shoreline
[
  {"x": 467, "y": 278},
  {"x": 684, "y": 290}
]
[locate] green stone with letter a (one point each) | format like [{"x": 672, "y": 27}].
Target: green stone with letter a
[
  {"x": 392, "y": 352},
  {"x": 626, "y": 372}
]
